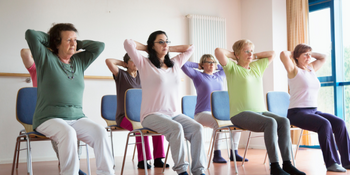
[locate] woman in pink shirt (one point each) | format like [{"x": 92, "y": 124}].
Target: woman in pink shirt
[
  {"x": 160, "y": 107},
  {"x": 303, "y": 113}
]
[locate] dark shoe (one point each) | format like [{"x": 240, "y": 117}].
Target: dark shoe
[
  {"x": 81, "y": 172},
  {"x": 238, "y": 157},
  {"x": 183, "y": 173},
  {"x": 142, "y": 166},
  {"x": 289, "y": 168},
  {"x": 275, "y": 169},
  {"x": 159, "y": 163},
  {"x": 217, "y": 157}
]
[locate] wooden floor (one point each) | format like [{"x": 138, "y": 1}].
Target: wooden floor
[{"x": 309, "y": 160}]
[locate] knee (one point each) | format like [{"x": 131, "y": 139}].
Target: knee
[
  {"x": 271, "y": 123},
  {"x": 99, "y": 132},
  {"x": 283, "y": 121},
  {"x": 198, "y": 127},
  {"x": 175, "y": 127}
]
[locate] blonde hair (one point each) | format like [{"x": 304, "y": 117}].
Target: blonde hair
[
  {"x": 204, "y": 59},
  {"x": 238, "y": 46}
]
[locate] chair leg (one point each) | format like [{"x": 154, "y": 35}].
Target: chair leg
[
  {"x": 211, "y": 147},
  {"x": 29, "y": 157},
  {"x": 211, "y": 139},
  {"x": 126, "y": 148},
  {"x": 166, "y": 157},
  {"x": 188, "y": 155},
  {"x": 227, "y": 147},
  {"x": 15, "y": 155},
  {"x": 291, "y": 151},
  {"x": 143, "y": 152},
  {"x": 88, "y": 159},
  {"x": 265, "y": 157},
  {"x": 233, "y": 152},
  {"x": 246, "y": 147},
  {"x": 133, "y": 155},
  {"x": 298, "y": 144},
  {"x": 111, "y": 134}
]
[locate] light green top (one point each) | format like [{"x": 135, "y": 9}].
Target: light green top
[
  {"x": 245, "y": 86},
  {"x": 59, "y": 96}
]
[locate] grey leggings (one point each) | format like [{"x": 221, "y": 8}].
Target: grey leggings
[
  {"x": 175, "y": 130},
  {"x": 276, "y": 130}
]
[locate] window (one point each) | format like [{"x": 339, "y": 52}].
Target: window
[{"x": 330, "y": 34}]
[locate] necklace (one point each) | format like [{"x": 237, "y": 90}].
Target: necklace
[{"x": 68, "y": 69}]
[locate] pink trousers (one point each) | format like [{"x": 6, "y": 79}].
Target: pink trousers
[{"x": 158, "y": 147}]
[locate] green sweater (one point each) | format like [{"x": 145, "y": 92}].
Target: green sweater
[{"x": 59, "y": 96}]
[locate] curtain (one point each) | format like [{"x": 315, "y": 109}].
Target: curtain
[{"x": 297, "y": 32}]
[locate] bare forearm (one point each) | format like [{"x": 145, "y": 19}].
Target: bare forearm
[
  {"x": 140, "y": 46},
  {"x": 266, "y": 54},
  {"x": 179, "y": 48},
  {"x": 318, "y": 56}
]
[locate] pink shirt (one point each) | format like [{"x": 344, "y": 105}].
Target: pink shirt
[
  {"x": 32, "y": 72},
  {"x": 304, "y": 89},
  {"x": 160, "y": 87}
]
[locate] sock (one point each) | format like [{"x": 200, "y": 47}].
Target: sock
[
  {"x": 159, "y": 163},
  {"x": 183, "y": 173},
  {"x": 238, "y": 157},
  {"x": 142, "y": 166},
  {"x": 217, "y": 157},
  {"x": 81, "y": 172},
  {"x": 275, "y": 169},
  {"x": 289, "y": 168},
  {"x": 336, "y": 168}
]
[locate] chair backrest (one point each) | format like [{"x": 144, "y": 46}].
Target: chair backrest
[
  {"x": 25, "y": 107},
  {"x": 132, "y": 106},
  {"x": 109, "y": 109},
  {"x": 278, "y": 102},
  {"x": 220, "y": 105},
  {"x": 188, "y": 104}
]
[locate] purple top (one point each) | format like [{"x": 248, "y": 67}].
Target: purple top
[{"x": 205, "y": 84}]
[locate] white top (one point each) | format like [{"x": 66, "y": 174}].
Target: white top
[
  {"x": 304, "y": 89},
  {"x": 160, "y": 87}
]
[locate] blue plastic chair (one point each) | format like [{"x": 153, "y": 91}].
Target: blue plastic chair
[
  {"x": 25, "y": 107},
  {"x": 188, "y": 104},
  {"x": 220, "y": 109},
  {"x": 278, "y": 103},
  {"x": 133, "y": 99}
]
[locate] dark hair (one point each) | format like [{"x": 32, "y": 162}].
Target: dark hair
[
  {"x": 152, "y": 54},
  {"x": 55, "y": 34},
  {"x": 300, "y": 49},
  {"x": 126, "y": 58}
]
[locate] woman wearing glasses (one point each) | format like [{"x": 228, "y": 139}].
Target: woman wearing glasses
[
  {"x": 206, "y": 82},
  {"x": 247, "y": 107},
  {"x": 160, "y": 111},
  {"x": 303, "y": 112}
]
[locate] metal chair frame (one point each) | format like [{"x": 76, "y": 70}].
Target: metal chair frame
[{"x": 28, "y": 135}]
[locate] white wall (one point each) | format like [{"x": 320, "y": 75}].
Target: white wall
[{"x": 110, "y": 21}]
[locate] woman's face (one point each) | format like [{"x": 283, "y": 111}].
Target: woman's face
[
  {"x": 246, "y": 54},
  {"x": 209, "y": 66},
  {"x": 160, "y": 45},
  {"x": 304, "y": 58},
  {"x": 131, "y": 66},
  {"x": 68, "y": 43}
]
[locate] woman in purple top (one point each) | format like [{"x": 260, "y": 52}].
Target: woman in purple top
[
  {"x": 125, "y": 80},
  {"x": 303, "y": 112},
  {"x": 206, "y": 82}
]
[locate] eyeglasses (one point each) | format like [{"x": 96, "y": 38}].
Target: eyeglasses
[
  {"x": 210, "y": 62},
  {"x": 163, "y": 42},
  {"x": 249, "y": 51}
]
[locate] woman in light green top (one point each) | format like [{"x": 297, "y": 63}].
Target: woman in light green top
[{"x": 247, "y": 108}]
